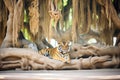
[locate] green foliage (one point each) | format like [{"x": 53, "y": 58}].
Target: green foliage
[
  {"x": 25, "y": 30},
  {"x": 25, "y": 16},
  {"x": 26, "y": 34},
  {"x": 65, "y": 2}
]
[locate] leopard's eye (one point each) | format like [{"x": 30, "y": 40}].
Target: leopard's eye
[{"x": 59, "y": 43}]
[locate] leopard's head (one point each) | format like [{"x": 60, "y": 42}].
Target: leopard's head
[{"x": 64, "y": 47}]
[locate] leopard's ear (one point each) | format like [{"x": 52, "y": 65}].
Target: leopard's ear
[
  {"x": 69, "y": 43},
  {"x": 58, "y": 43}
]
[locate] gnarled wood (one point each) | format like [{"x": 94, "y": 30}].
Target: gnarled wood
[
  {"x": 14, "y": 22},
  {"x": 79, "y": 51},
  {"x": 29, "y": 59},
  {"x": 114, "y": 16}
]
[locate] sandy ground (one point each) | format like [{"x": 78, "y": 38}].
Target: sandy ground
[{"x": 96, "y": 74}]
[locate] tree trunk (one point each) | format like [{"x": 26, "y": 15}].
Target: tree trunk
[
  {"x": 7, "y": 42},
  {"x": 14, "y": 23},
  {"x": 3, "y": 20}
]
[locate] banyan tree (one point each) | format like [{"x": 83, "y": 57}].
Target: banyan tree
[{"x": 27, "y": 26}]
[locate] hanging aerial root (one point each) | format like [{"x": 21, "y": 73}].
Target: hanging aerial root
[{"x": 34, "y": 16}]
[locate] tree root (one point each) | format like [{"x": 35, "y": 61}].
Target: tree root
[
  {"x": 27, "y": 59},
  {"x": 79, "y": 51}
]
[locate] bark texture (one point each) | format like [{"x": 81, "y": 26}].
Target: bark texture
[
  {"x": 27, "y": 59},
  {"x": 14, "y": 23}
]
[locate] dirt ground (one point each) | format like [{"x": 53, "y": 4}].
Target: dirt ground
[{"x": 96, "y": 74}]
